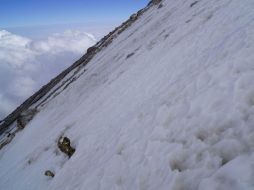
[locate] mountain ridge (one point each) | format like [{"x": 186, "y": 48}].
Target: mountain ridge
[{"x": 104, "y": 42}]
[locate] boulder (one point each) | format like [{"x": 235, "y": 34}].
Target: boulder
[{"x": 64, "y": 144}]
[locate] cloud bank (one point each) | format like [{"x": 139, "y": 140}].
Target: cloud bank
[{"x": 27, "y": 64}]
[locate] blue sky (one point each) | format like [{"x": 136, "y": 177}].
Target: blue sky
[{"x": 15, "y": 13}]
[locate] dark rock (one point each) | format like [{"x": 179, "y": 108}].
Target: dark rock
[
  {"x": 11, "y": 135},
  {"x": 91, "y": 50},
  {"x": 160, "y": 6},
  {"x": 64, "y": 144},
  {"x": 194, "y": 3},
  {"x": 133, "y": 17},
  {"x": 140, "y": 12},
  {"x": 129, "y": 55},
  {"x": 49, "y": 173},
  {"x": 7, "y": 140},
  {"x": 25, "y": 117}
]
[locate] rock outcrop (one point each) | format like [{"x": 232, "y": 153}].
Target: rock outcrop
[{"x": 64, "y": 144}]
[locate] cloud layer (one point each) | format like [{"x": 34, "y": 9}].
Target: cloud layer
[{"x": 25, "y": 64}]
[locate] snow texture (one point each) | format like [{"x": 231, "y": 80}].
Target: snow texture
[{"x": 168, "y": 105}]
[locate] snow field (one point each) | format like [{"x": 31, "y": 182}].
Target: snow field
[{"x": 168, "y": 105}]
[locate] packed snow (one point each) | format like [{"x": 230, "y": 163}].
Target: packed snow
[{"x": 168, "y": 105}]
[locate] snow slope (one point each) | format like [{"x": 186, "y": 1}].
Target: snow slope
[{"x": 169, "y": 104}]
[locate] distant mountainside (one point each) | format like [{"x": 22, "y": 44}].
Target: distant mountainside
[{"x": 165, "y": 101}]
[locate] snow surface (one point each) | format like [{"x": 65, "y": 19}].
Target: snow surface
[{"x": 168, "y": 105}]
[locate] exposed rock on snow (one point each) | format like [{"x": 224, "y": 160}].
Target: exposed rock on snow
[
  {"x": 64, "y": 144},
  {"x": 49, "y": 173},
  {"x": 24, "y": 118}
]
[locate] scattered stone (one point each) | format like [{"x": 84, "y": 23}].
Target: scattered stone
[
  {"x": 64, "y": 144},
  {"x": 25, "y": 117},
  {"x": 49, "y": 173}
]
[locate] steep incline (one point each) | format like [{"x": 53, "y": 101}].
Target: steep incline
[{"x": 167, "y": 104}]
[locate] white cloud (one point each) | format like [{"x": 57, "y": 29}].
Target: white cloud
[
  {"x": 72, "y": 41},
  {"x": 26, "y": 64},
  {"x": 22, "y": 86}
]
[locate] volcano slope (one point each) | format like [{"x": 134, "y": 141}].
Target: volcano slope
[{"x": 166, "y": 101}]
